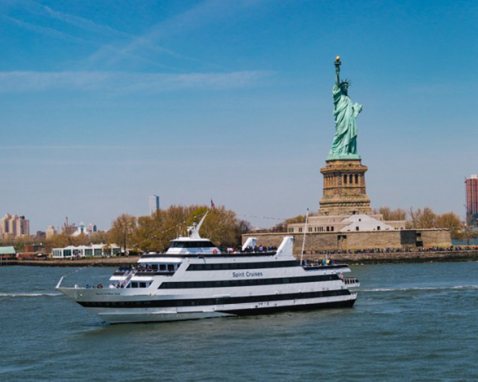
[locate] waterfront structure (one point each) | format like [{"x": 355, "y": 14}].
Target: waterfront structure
[
  {"x": 345, "y": 219},
  {"x": 471, "y": 185},
  {"x": 94, "y": 250},
  {"x": 13, "y": 226},
  {"x": 7, "y": 253},
  {"x": 153, "y": 202},
  {"x": 193, "y": 279},
  {"x": 32, "y": 252}
]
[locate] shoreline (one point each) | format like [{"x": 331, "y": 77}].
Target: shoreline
[
  {"x": 398, "y": 257},
  {"x": 349, "y": 258},
  {"x": 93, "y": 262}
]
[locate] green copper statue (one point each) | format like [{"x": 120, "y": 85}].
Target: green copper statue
[{"x": 344, "y": 145}]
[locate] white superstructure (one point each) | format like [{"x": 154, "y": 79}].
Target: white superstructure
[{"x": 193, "y": 279}]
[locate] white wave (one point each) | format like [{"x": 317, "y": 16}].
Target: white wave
[
  {"x": 23, "y": 294},
  {"x": 419, "y": 288}
]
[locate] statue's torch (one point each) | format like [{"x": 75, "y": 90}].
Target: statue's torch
[{"x": 337, "y": 62}]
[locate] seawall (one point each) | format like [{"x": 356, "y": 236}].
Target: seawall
[{"x": 396, "y": 257}]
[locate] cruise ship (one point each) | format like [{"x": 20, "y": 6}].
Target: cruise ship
[{"x": 194, "y": 279}]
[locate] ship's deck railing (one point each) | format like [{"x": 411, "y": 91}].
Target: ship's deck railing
[
  {"x": 313, "y": 265},
  {"x": 351, "y": 280}
]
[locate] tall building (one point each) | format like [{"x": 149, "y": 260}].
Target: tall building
[
  {"x": 153, "y": 202},
  {"x": 14, "y": 226},
  {"x": 472, "y": 200},
  {"x": 50, "y": 232}
]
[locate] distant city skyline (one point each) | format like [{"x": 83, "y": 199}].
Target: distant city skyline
[
  {"x": 105, "y": 103},
  {"x": 14, "y": 226}
]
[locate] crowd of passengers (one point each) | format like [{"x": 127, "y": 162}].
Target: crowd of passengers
[
  {"x": 257, "y": 248},
  {"x": 147, "y": 268}
]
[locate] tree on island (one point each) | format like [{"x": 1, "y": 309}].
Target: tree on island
[
  {"x": 64, "y": 239},
  {"x": 122, "y": 231},
  {"x": 389, "y": 214},
  {"x": 222, "y": 226},
  {"x": 282, "y": 226},
  {"x": 427, "y": 218}
]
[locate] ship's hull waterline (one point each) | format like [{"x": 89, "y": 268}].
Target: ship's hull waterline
[{"x": 144, "y": 315}]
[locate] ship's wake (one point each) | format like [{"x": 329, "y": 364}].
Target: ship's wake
[{"x": 25, "y": 294}]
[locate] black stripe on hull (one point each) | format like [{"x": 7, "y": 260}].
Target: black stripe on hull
[
  {"x": 259, "y": 311},
  {"x": 246, "y": 282},
  {"x": 212, "y": 301},
  {"x": 291, "y": 308}
]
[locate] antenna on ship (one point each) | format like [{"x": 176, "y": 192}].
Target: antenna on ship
[
  {"x": 303, "y": 239},
  {"x": 193, "y": 231}
]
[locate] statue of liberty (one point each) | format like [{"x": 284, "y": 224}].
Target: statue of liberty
[{"x": 344, "y": 145}]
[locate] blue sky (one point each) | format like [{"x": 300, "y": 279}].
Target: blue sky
[{"x": 103, "y": 103}]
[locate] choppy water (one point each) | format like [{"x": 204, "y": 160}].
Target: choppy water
[{"x": 412, "y": 322}]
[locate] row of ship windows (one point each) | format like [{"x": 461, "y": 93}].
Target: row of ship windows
[
  {"x": 157, "y": 267},
  {"x": 246, "y": 282},
  {"x": 224, "y": 266},
  {"x": 139, "y": 284},
  {"x": 191, "y": 244}
]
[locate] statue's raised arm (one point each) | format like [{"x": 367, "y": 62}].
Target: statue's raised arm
[
  {"x": 344, "y": 145},
  {"x": 337, "y": 69}
]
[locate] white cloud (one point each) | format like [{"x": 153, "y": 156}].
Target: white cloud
[
  {"x": 47, "y": 31},
  {"x": 200, "y": 15},
  {"x": 121, "y": 82}
]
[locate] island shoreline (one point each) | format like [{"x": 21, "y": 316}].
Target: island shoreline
[{"x": 355, "y": 258}]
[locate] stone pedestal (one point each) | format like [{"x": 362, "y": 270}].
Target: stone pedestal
[{"x": 344, "y": 188}]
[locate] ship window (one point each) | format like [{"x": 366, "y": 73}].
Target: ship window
[
  {"x": 162, "y": 267},
  {"x": 191, "y": 244},
  {"x": 170, "y": 268},
  {"x": 142, "y": 285},
  {"x": 134, "y": 284}
]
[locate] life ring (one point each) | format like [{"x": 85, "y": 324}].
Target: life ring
[{"x": 214, "y": 251}]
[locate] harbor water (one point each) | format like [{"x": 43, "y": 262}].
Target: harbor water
[{"x": 411, "y": 322}]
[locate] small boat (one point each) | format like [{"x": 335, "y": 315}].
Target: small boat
[{"x": 194, "y": 279}]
